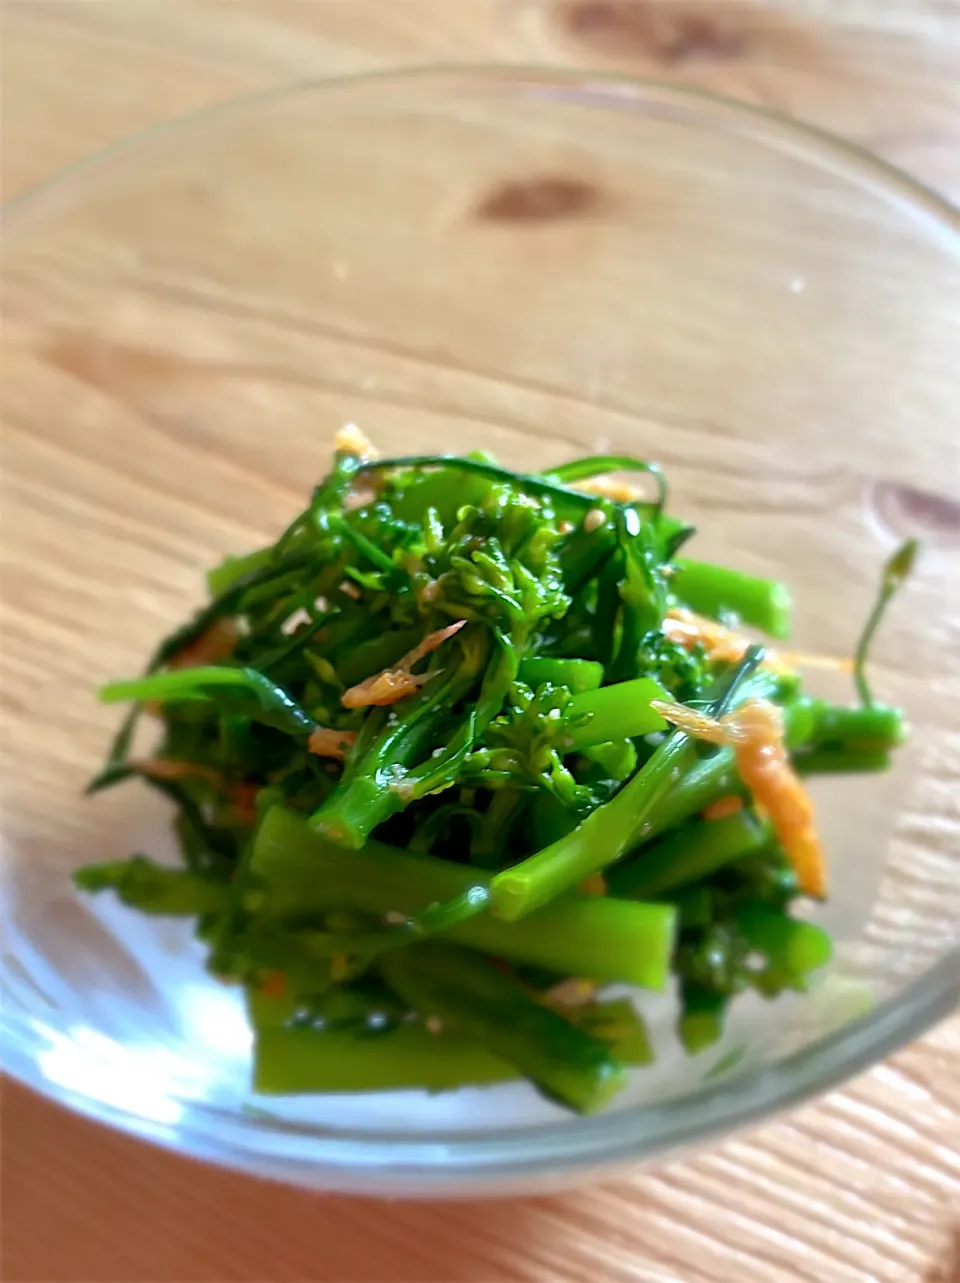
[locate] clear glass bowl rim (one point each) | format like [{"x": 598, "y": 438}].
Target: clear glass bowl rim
[{"x": 442, "y": 1163}]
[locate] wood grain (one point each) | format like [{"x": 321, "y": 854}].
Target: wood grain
[
  {"x": 862, "y": 1187},
  {"x": 882, "y": 72}
]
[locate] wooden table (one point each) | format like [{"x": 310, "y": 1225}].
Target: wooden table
[{"x": 864, "y": 1185}]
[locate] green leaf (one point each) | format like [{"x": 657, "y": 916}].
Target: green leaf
[{"x": 235, "y": 691}]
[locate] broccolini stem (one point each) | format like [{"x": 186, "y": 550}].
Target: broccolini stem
[
  {"x": 717, "y": 590},
  {"x": 596, "y": 842},
  {"x": 307, "y": 1059},
  {"x": 895, "y": 573},
  {"x": 470, "y": 994},
  {"x": 684, "y": 857},
  {"x": 711, "y": 776},
  {"x": 578, "y": 675},
  {"x": 641, "y": 589},
  {"x": 876, "y": 726},
  {"x": 288, "y": 1061},
  {"x": 793, "y": 948},
  {"x": 701, "y": 1021},
  {"x": 843, "y": 761},
  {"x": 705, "y": 781},
  {"x": 492, "y": 829},
  {"x": 154, "y": 889},
  {"x": 620, "y": 711}
]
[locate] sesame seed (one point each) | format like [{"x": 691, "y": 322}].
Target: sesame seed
[
  {"x": 594, "y": 520},
  {"x": 293, "y": 622},
  {"x": 434, "y": 1025}
]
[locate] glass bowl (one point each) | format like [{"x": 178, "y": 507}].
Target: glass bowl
[{"x": 537, "y": 263}]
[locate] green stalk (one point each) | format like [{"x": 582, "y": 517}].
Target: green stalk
[
  {"x": 717, "y": 591},
  {"x": 706, "y": 780},
  {"x": 618, "y": 1024},
  {"x": 794, "y": 949},
  {"x": 716, "y": 776},
  {"x": 895, "y": 573},
  {"x": 302, "y": 873},
  {"x": 687, "y": 856},
  {"x": 304, "y": 1059},
  {"x": 337, "y": 524},
  {"x": 702, "y": 1018},
  {"x": 712, "y": 776},
  {"x": 616, "y": 758},
  {"x": 596, "y": 842},
  {"x": 470, "y": 994},
  {"x": 492, "y": 829},
  {"x": 876, "y": 726},
  {"x": 288, "y": 1061},
  {"x": 842, "y": 761},
  {"x": 578, "y": 675},
  {"x": 154, "y": 889},
  {"x": 617, "y": 712},
  {"x": 642, "y": 591}
]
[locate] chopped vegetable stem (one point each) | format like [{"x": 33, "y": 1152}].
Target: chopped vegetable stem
[
  {"x": 718, "y": 591},
  {"x": 615, "y": 712},
  {"x": 895, "y": 574},
  {"x": 469, "y": 993}
]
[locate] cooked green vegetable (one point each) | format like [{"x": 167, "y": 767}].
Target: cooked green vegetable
[{"x": 463, "y": 738}]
